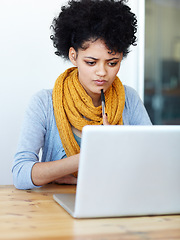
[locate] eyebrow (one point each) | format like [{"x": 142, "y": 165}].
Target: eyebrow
[{"x": 110, "y": 59}]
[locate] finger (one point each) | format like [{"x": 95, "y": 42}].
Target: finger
[
  {"x": 105, "y": 119},
  {"x": 69, "y": 179}
]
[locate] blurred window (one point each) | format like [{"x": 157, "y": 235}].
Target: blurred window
[{"x": 162, "y": 61}]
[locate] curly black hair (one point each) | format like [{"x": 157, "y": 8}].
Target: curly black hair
[{"x": 88, "y": 20}]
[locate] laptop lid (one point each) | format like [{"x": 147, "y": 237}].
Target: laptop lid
[{"x": 128, "y": 171}]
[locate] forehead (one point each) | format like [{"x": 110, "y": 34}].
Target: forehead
[{"x": 96, "y": 48}]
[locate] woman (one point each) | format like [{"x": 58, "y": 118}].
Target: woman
[{"x": 95, "y": 36}]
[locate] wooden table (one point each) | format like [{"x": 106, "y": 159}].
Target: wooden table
[{"x": 33, "y": 214}]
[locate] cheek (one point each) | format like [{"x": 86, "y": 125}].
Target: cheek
[
  {"x": 85, "y": 71},
  {"x": 114, "y": 72},
  {"x": 84, "y": 74}
]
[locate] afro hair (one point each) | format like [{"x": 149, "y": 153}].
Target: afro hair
[{"x": 88, "y": 20}]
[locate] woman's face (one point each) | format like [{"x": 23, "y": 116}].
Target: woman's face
[{"x": 97, "y": 67}]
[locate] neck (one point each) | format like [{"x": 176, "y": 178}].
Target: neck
[{"x": 96, "y": 100}]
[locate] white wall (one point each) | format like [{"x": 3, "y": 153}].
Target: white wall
[
  {"x": 132, "y": 68},
  {"x": 28, "y": 64}
]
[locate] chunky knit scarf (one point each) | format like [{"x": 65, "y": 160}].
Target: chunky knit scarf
[{"x": 74, "y": 107}]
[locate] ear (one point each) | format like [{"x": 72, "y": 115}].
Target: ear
[{"x": 73, "y": 56}]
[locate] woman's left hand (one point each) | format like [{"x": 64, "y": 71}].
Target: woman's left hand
[
  {"x": 68, "y": 179},
  {"x": 105, "y": 119}
]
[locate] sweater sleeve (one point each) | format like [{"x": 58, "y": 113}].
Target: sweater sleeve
[
  {"x": 31, "y": 141},
  {"x": 135, "y": 112}
]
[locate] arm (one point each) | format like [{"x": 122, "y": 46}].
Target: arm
[
  {"x": 45, "y": 172},
  {"x": 39, "y": 131}
]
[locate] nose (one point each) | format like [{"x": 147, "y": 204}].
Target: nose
[{"x": 101, "y": 70}]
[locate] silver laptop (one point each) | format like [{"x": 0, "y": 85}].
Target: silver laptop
[{"x": 126, "y": 171}]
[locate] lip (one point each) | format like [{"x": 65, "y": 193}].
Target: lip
[{"x": 100, "y": 82}]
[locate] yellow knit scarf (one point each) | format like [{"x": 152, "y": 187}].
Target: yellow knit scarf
[{"x": 74, "y": 107}]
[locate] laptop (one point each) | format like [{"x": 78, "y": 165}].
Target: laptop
[{"x": 126, "y": 171}]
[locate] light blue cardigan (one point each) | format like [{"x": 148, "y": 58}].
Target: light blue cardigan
[{"x": 39, "y": 131}]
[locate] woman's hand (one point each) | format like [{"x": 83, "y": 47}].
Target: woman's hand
[
  {"x": 68, "y": 179},
  {"x": 105, "y": 119}
]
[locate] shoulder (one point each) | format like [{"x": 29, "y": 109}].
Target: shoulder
[
  {"x": 132, "y": 98},
  {"x": 42, "y": 96},
  {"x": 134, "y": 111},
  {"x": 130, "y": 94},
  {"x": 40, "y": 105},
  {"x": 41, "y": 100}
]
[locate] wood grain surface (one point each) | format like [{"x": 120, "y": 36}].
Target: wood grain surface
[{"x": 33, "y": 214}]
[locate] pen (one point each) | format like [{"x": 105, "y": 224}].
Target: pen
[{"x": 103, "y": 102}]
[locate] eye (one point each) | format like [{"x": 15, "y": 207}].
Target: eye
[
  {"x": 112, "y": 64},
  {"x": 90, "y": 63}
]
